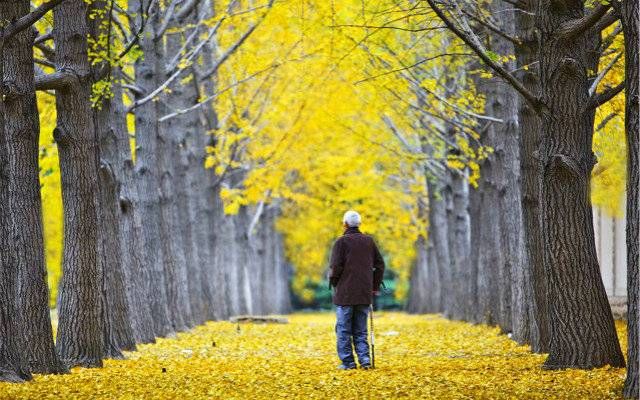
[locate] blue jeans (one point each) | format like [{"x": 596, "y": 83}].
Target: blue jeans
[{"x": 351, "y": 327}]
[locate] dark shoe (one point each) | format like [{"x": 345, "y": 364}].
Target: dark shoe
[
  {"x": 345, "y": 367},
  {"x": 366, "y": 366}
]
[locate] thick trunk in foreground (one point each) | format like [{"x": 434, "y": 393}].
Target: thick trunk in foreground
[
  {"x": 583, "y": 334},
  {"x": 531, "y": 183},
  {"x": 25, "y": 207},
  {"x": 11, "y": 365},
  {"x": 630, "y": 14},
  {"x": 79, "y": 339}
]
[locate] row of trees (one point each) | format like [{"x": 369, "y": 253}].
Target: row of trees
[
  {"x": 518, "y": 251},
  {"x": 148, "y": 248}
]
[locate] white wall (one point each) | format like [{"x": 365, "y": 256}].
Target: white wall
[{"x": 612, "y": 253}]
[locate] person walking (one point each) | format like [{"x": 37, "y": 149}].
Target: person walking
[{"x": 356, "y": 272}]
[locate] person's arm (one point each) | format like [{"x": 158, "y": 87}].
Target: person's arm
[
  {"x": 378, "y": 268},
  {"x": 337, "y": 263}
]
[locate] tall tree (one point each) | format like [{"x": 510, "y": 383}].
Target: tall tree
[
  {"x": 11, "y": 365},
  {"x": 147, "y": 179},
  {"x": 531, "y": 177},
  {"x": 118, "y": 333},
  {"x": 25, "y": 208},
  {"x": 79, "y": 339},
  {"x": 582, "y": 329},
  {"x": 630, "y": 15}
]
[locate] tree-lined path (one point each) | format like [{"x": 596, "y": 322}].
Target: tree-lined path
[
  {"x": 424, "y": 357},
  {"x": 166, "y": 165}
]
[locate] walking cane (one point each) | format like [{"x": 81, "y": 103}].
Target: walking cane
[{"x": 373, "y": 346}]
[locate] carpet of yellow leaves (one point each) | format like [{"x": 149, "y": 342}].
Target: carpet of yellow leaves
[{"x": 419, "y": 357}]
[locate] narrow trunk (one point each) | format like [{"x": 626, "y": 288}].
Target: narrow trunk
[
  {"x": 118, "y": 334},
  {"x": 215, "y": 288},
  {"x": 475, "y": 222},
  {"x": 502, "y": 103},
  {"x": 131, "y": 225},
  {"x": 531, "y": 181},
  {"x": 25, "y": 207},
  {"x": 438, "y": 238},
  {"x": 583, "y": 334},
  {"x": 417, "y": 302},
  {"x": 630, "y": 15},
  {"x": 148, "y": 181},
  {"x": 460, "y": 245},
  {"x": 490, "y": 276},
  {"x": 178, "y": 250},
  {"x": 79, "y": 339}
]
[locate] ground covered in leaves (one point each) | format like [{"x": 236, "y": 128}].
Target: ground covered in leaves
[{"x": 417, "y": 357}]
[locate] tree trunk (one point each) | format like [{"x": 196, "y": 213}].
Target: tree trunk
[
  {"x": 118, "y": 333},
  {"x": 583, "y": 334},
  {"x": 490, "y": 258},
  {"x": 12, "y": 368},
  {"x": 476, "y": 242},
  {"x": 531, "y": 181},
  {"x": 417, "y": 302},
  {"x": 131, "y": 245},
  {"x": 630, "y": 15},
  {"x": 502, "y": 103},
  {"x": 183, "y": 278},
  {"x": 79, "y": 339},
  {"x": 438, "y": 237},
  {"x": 25, "y": 207},
  {"x": 147, "y": 179},
  {"x": 458, "y": 241}
]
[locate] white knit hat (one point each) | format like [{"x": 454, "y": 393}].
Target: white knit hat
[{"x": 352, "y": 219}]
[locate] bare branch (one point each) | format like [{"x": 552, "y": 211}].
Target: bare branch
[
  {"x": 535, "y": 102},
  {"x": 603, "y": 73},
  {"x": 214, "y": 95}
]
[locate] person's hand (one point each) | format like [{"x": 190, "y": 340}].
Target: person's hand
[{"x": 376, "y": 293}]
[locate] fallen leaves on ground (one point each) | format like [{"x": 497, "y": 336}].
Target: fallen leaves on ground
[{"x": 418, "y": 357}]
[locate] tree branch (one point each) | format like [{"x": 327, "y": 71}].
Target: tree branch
[
  {"x": 29, "y": 19},
  {"x": 535, "y": 102},
  {"x": 56, "y": 81},
  {"x": 599, "y": 99},
  {"x": 603, "y": 73},
  {"x": 578, "y": 26}
]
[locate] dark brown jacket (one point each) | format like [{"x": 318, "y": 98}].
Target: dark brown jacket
[{"x": 353, "y": 259}]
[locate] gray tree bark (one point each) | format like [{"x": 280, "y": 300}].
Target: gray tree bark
[
  {"x": 147, "y": 179},
  {"x": 131, "y": 244},
  {"x": 79, "y": 339},
  {"x": 21, "y": 142},
  {"x": 183, "y": 277},
  {"x": 438, "y": 227},
  {"x": 583, "y": 334},
  {"x": 531, "y": 180},
  {"x": 118, "y": 333},
  {"x": 419, "y": 284},
  {"x": 459, "y": 244},
  {"x": 630, "y": 16},
  {"x": 12, "y": 368}
]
